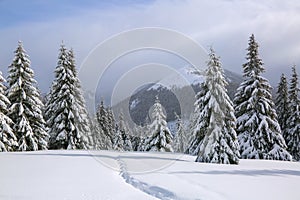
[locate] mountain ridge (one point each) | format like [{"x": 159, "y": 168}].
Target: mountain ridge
[{"x": 174, "y": 99}]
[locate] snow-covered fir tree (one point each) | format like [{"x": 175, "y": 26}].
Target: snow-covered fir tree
[
  {"x": 26, "y": 107},
  {"x": 258, "y": 130},
  {"x": 102, "y": 118},
  {"x": 64, "y": 111},
  {"x": 111, "y": 123},
  {"x": 220, "y": 144},
  {"x": 199, "y": 120},
  {"x": 180, "y": 140},
  {"x": 8, "y": 140},
  {"x": 118, "y": 140},
  {"x": 99, "y": 142},
  {"x": 91, "y": 137},
  {"x": 83, "y": 122},
  {"x": 135, "y": 139},
  {"x": 92, "y": 134},
  {"x": 101, "y": 115},
  {"x": 293, "y": 121},
  {"x": 122, "y": 140},
  {"x": 160, "y": 138},
  {"x": 126, "y": 133},
  {"x": 282, "y": 105},
  {"x": 140, "y": 136}
]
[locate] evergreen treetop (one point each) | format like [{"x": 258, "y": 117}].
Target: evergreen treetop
[
  {"x": 180, "y": 140},
  {"x": 282, "y": 105},
  {"x": 26, "y": 106},
  {"x": 258, "y": 130},
  {"x": 293, "y": 121},
  {"x": 220, "y": 144},
  {"x": 64, "y": 110},
  {"x": 161, "y": 137}
]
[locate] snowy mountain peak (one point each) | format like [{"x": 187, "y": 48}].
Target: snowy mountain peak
[{"x": 180, "y": 78}]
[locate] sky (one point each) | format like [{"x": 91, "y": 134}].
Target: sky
[{"x": 223, "y": 24}]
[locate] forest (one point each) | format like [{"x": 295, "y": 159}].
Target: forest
[{"x": 252, "y": 125}]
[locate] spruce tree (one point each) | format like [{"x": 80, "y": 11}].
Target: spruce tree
[
  {"x": 293, "y": 121},
  {"x": 83, "y": 122},
  {"x": 147, "y": 132},
  {"x": 220, "y": 144},
  {"x": 161, "y": 137},
  {"x": 118, "y": 140},
  {"x": 143, "y": 134},
  {"x": 8, "y": 140},
  {"x": 98, "y": 136},
  {"x": 111, "y": 124},
  {"x": 180, "y": 140},
  {"x": 258, "y": 130},
  {"x": 126, "y": 134},
  {"x": 282, "y": 107},
  {"x": 63, "y": 108},
  {"x": 200, "y": 120},
  {"x": 102, "y": 118},
  {"x": 136, "y": 137},
  {"x": 90, "y": 135},
  {"x": 26, "y": 107},
  {"x": 122, "y": 141}
]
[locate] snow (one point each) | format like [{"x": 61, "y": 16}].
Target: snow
[
  {"x": 97, "y": 175},
  {"x": 157, "y": 86},
  {"x": 62, "y": 175},
  {"x": 179, "y": 78},
  {"x": 134, "y": 103}
]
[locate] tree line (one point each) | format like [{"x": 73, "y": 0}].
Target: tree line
[{"x": 220, "y": 130}]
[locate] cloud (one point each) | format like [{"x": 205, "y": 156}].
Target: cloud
[{"x": 224, "y": 24}]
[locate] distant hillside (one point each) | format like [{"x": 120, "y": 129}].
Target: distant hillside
[{"x": 142, "y": 100}]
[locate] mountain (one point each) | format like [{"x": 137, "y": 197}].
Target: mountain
[{"x": 176, "y": 94}]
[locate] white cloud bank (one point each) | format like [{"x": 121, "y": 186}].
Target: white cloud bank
[{"x": 224, "y": 24}]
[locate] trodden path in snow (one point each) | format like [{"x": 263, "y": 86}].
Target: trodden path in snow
[
  {"x": 155, "y": 191},
  {"x": 251, "y": 179},
  {"x": 101, "y": 175},
  {"x": 149, "y": 172}
]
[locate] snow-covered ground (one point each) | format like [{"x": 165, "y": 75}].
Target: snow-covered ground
[{"x": 97, "y": 175}]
